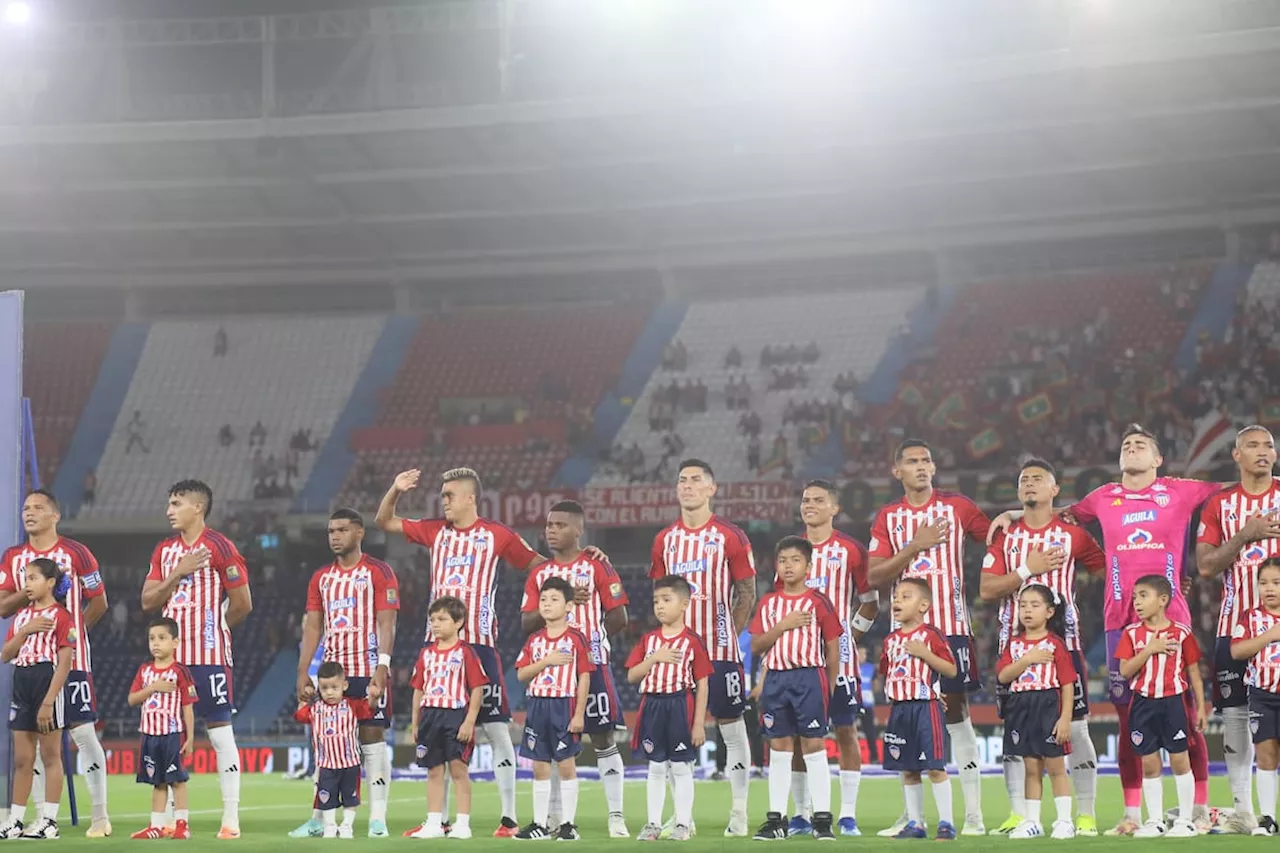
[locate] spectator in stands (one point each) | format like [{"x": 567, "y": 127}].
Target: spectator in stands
[
  {"x": 700, "y": 396},
  {"x": 260, "y": 492},
  {"x": 749, "y": 424},
  {"x": 753, "y": 452},
  {"x": 220, "y": 342},
  {"x": 89, "y": 487},
  {"x": 226, "y": 437},
  {"x": 271, "y": 468},
  {"x": 136, "y": 428},
  {"x": 291, "y": 458},
  {"x": 258, "y": 435},
  {"x": 733, "y": 358}
]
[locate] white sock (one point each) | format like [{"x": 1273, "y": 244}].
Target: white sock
[
  {"x": 656, "y": 791},
  {"x": 182, "y": 814},
  {"x": 157, "y": 820},
  {"x": 1153, "y": 796},
  {"x": 913, "y": 795},
  {"x": 462, "y": 821},
  {"x": 569, "y": 805},
  {"x": 555, "y": 807},
  {"x": 1031, "y": 810},
  {"x": 800, "y": 792},
  {"x": 504, "y": 765},
  {"x": 1084, "y": 767},
  {"x": 1267, "y": 793},
  {"x": 737, "y": 754},
  {"x": 1133, "y": 813},
  {"x": 94, "y": 759},
  {"x": 377, "y": 773},
  {"x": 1185, "y": 785},
  {"x": 541, "y": 801},
  {"x": 1237, "y": 746},
  {"x": 682, "y": 773},
  {"x": 223, "y": 740},
  {"x": 1063, "y": 807},
  {"x": 348, "y": 817},
  {"x": 779, "y": 780},
  {"x": 942, "y": 799},
  {"x": 50, "y": 811},
  {"x": 964, "y": 749},
  {"x": 612, "y": 773},
  {"x": 330, "y": 817},
  {"x": 1015, "y": 783},
  {"x": 435, "y": 820},
  {"x": 168, "y": 804},
  {"x": 37, "y": 779},
  {"x": 850, "y": 780},
  {"x": 819, "y": 773}
]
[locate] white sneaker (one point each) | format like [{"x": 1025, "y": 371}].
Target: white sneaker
[
  {"x": 426, "y": 831},
  {"x": 45, "y": 828},
  {"x": 1182, "y": 829},
  {"x": 1150, "y": 829},
  {"x": 1063, "y": 829},
  {"x": 345, "y": 831},
  {"x": 737, "y": 827},
  {"x": 12, "y": 829},
  {"x": 895, "y": 829},
  {"x": 1026, "y": 829},
  {"x": 460, "y": 832},
  {"x": 330, "y": 832},
  {"x": 973, "y": 825}
]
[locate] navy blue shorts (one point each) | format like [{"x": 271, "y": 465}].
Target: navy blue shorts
[
  {"x": 546, "y": 730},
  {"x": 604, "y": 711},
  {"x": 338, "y": 787},
  {"x": 30, "y": 686},
  {"x": 726, "y": 695},
  {"x": 1156, "y": 724},
  {"x": 663, "y": 727},
  {"x": 160, "y": 760},
  {"x": 215, "y": 696},
  {"x": 438, "y": 737},
  {"x": 1229, "y": 687},
  {"x": 1029, "y": 718},
  {"x": 1264, "y": 715},
  {"x": 915, "y": 737},
  {"x": 358, "y": 688},
  {"x": 794, "y": 703},
  {"x": 81, "y": 700},
  {"x": 967, "y": 679},
  {"x": 846, "y": 701},
  {"x": 493, "y": 707}
]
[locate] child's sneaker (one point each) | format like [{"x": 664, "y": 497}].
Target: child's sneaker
[
  {"x": 533, "y": 832},
  {"x": 799, "y": 826},
  {"x": 774, "y": 828},
  {"x": 1086, "y": 826},
  {"x": 569, "y": 832},
  {"x": 507, "y": 829},
  {"x": 822, "y": 826},
  {"x": 681, "y": 833},
  {"x": 1127, "y": 826},
  {"x": 181, "y": 831},
  {"x": 1062, "y": 830},
  {"x": 915, "y": 829},
  {"x": 330, "y": 832},
  {"x": 311, "y": 829},
  {"x": 1027, "y": 829},
  {"x": 99, "y": 829},
  {"x": 1150, "y": 829},
  {"x": 1012, "y": 822},
  {"x": 427, "y": 831},
  {"x": 345, "y": 831},
  {"x": 1266, "y": 826},
  {"x": 46, "y": 827},
  {"x": 618, "y": 826},
  {"x": 461, "y": 832},
  {"x": 149, "y": 833},
  {"x": 1182, "y": 829},
  {"x": 12, "y": 829},
  {"x": 893, "y": 830},
  {"x": 947, "y": 832},
  {"x": 650, "y": 832},
  {"x": 849, "y": 826}
]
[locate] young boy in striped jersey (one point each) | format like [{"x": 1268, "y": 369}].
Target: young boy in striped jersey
[{"x": 335, "y": 732}]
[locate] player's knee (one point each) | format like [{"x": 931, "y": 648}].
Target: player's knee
[
  {"x": 601, "y": 740},
  {"x": 935, "y": 776},
  {"x": 568, "y": 769},
  {"x": 810, "y": 745}
]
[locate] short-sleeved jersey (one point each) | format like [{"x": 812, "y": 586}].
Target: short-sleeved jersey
[
  {"x": 908, "y": 678},
  {"x": 1039, "y": 676},
  {"x": 464, "y": 564},
  {"x": 162, "y": 712},
  {"x": 1223, "y": 516},
  {"x": 1164, "y": 674},
  {"x": 335, "y": 730},
  {"x": 1143, "y": 533},
  {"x": 43, "y": 646},
  {"x": 72, "y": 557},
  {"x": 348, "y": 601},
  {"x": 1264, "y": 666},
  {"x": 196, "y": 604},
  {"x": 712, "y": 558},
  {"x": 446, "y": 677},
  {"x": 681, "y": 677},
  {"x": 839, "y": 571},
  {"x": 943, "y": 566},
  {"x": 604, "y": 589},
  {"x": 798, "y": 648},
  {"x": 1009, "y": 551},
  {"x": 560, "y": 681}
]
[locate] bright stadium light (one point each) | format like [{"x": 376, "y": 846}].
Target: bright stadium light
[{"x": 17, "y": 12}]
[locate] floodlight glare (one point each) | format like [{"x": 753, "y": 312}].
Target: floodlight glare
[{"x": 17, "y": 12}]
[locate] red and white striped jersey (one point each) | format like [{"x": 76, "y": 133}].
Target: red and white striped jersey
[
  {"x": 907, "y": 678},
  {"x": 681, "y": 677},
  {"x": 1009, "y": 551},
  {"x": 446, "y": 677},
  {"x": 42, "y": 647},
  {"x": 942, "y": 567},
  {"x": 1163, "y": 674},
  {"x": 335, "y": 730},
  {"x": 712, "y": 559},
  {"x": 72, "y": 557},
  {"x": 1264, "y": 667},
  {"x": 839, "y": 571},
  {"x": 559, "y": 681},
  {"x": 1221, "y": 518},
  {"x": 162, "y": 712},
  {"x": 464, "y": 564},
  {"x": 605, "y": 590},
  {"x": 204, "y": 639},
  {"x": 1039, "y": 676},
  {"x": 349, "y": 601},
  {"x": 798, "y": 648}
]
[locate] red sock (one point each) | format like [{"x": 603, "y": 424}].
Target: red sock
[{"x": 1130, "y": 763}]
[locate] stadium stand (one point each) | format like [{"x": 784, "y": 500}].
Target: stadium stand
[{"x": 288, "y": 374}]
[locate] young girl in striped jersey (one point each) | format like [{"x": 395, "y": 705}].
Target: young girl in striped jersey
[
  {"x": 40, "y": 644},
  {"x": 1037, "y": 668},
  {"x": 1256, "y": 638}
]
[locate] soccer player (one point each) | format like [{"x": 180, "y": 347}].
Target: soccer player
[
  {"x": 839, "y": 571},
  {"x": 335, "y": 720},
  {"x": 922, "y": 535},
  {"x": 87, "y": 602},
  {"x": 715, "y": 558},
  {"x": 353, "y": 603},
  {"x": 1256, "y": 640},
  {"x": 199, "y": 580},
  {"x": 1161, "y": 659},
  {"x": 671, "y": 665},
  {"x": 799, "y": 634},
  {"x": 1044, "y": 548},
  {"x": 1144, "y": 520},
  {"x": 1239, "y": 529},
  {"x": 599, "y": 611}
]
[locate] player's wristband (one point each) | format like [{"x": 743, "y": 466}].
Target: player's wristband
[
  {"x": 384, "y": 660},
  {"x": 1024, "y": 573},
  {"x": 862, "y": 623}
]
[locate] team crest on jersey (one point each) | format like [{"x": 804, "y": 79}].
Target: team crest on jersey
[
  {"x": 530, "y": 739},
  {"x": 360, "y": 583},
  {"x": 455, "y": 656},
  {"x": 1136, "y": 737},
  {"x": 895, "y": 752},
  {"x": 647, "y": 744},
  {"x": 1162, "y": 500},
  {"x": 324, "y": 796},
  {"x": 1226, "y": 691},
  {"x": 1014, "y": 736},
  {"x": 767, "y": 719},
  {"x": 421, "y": 751}
]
